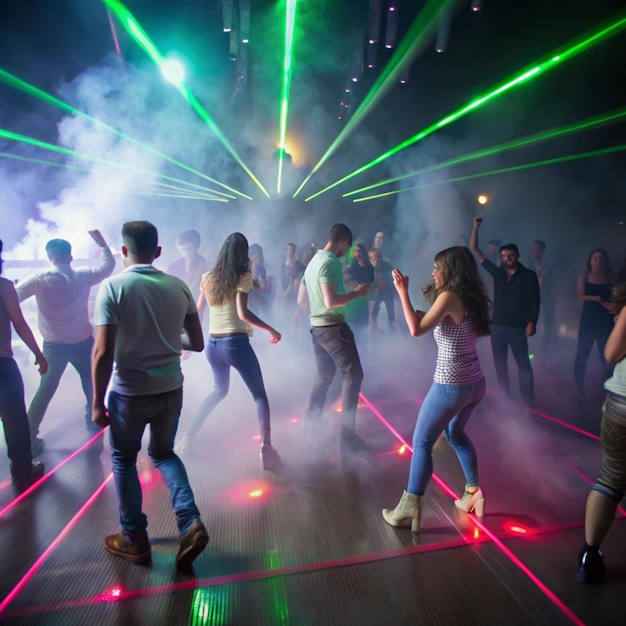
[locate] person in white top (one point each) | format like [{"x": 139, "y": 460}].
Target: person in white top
[
  {"x": 610, "y": 487},
  {"x": 226, "y": 289},
  {"x": 62, "y": 295},
  {"x": 459, "y": 315}
]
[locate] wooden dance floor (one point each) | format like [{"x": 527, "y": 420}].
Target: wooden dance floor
[{"x": 306, "y": 544}]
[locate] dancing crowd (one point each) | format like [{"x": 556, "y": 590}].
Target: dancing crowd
[{"x": 145, "y": 319}]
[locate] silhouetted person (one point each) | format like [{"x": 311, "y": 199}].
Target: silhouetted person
[
  {"x": 596, "y": 319},
  {"x": 12, "y": 407},
  {"x": 515, "y": 313},
  {"x": 192, "y": 265}
]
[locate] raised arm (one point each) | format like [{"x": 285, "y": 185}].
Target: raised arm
[
  {"x": 478, "y": 253},
  {"x": 107, "y": 265},
  {"x": 447, "y": 304}
]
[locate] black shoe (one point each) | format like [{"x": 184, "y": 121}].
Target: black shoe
[
  {"x": 22, "y": 481},
  {"x": 192, "y": 543},
  {"x": 352, "y": 443},
  {"x": 135, "y": 549},
  {"x": 590, "y": 566}
]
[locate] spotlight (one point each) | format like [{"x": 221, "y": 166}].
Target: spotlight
[
  {"x": 173, "y": 71},
  {"x": 483, "y": 199}
]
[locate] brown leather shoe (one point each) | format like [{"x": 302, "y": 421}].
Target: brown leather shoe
[
  {"x": 192, "y": 543},
  {"x": 136, "y": 551}
]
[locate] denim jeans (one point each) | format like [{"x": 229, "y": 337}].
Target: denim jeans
[
  {"x": 589, "y": 334},
  {"x": 446, "y": 408},
  {"x": 129, "y": 416},
  {"x": 334, "y": 347},
  {"x": 13, "y": 414},
  {"x": 58, "y": 356},
  {"x": 224, "y": 353},
  {"x": 515, "y": 336}
]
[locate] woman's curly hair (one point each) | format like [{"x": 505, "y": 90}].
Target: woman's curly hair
[
  {"x": 220, "y": 284},
  {"x": 460, "y": 276}
]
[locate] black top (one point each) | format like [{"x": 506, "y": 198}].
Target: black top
[{"x": 515, "y": 301}]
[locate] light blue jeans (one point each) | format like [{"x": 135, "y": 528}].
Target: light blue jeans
[
  {"x": 58, "y": 356},
  {"x": 446, "y": 409},
  {"x": 129, "y": 416},
  {"x": 224, "y": 353}
]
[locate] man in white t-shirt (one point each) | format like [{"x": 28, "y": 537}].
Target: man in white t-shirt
[
  {"x": 139, "y": 316},
  {"x": 333, "y": 340}
]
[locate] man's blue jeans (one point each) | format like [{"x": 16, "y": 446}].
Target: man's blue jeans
[
  {"x": 334, "y": 347},
  {"x": 129, "y": 416},
  {"x": 58, "y": 356},
  {"x": 13, "y": 414},
  {"x": 515, "y": 336},
  {"x": 446, "y": 408},
  {"x": 224, "y": 353}
]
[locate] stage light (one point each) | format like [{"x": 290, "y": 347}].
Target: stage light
[
  {"x": 173, "y": 71},
  {"x": 482, "y": 199}
]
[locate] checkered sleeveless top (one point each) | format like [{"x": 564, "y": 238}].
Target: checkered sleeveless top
[{"x": 457, "y": 359}]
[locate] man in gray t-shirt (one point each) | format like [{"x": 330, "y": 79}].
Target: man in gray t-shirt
[
  {"x": 139, "y": 317},
  {"x": 333, "y": 340}
]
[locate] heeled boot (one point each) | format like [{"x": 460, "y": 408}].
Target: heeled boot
[
  {"x": 590, "y": 565},
  {"x": 406, "y": 513},
  {"x": 472, "y": 501}
]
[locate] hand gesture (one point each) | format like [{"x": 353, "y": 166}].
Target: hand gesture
[
  {"x": 96, "y": 235},
  {"x": 400, "y": 282},
  {"x": 275, "y": 336},
  {"x": 100, "y": 416},
  {"x": 362, "y": 289},
  {"x": 478, "y": 221},
  {"x": 41, "y": 363}
]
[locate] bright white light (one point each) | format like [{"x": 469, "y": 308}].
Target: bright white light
[
  {"x": 173, "y": 71},
  {"x": 483, "y": 199}
]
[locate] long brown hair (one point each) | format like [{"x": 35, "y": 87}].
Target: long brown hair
[
  {"x": 220, "y": 284},
  {"x": 460, "y": 276}
]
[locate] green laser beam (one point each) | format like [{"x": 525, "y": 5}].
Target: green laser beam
[
  {"x": 17, "y": 157},
  {"x": 604, "y": 118},
  {"x": 535, "y": 70},
  {"x": 141, "y": 38},
  {"x": 412, "y": 44},
  {"x": 184, "y": 192},
  {"x": 174, "y": 195},
  {"x": 504, "y": 170},
  {"x": 290, "y": 15},
  {"x": 17, "y": 83},
  {"x": 290, "y": 20},
  {"x": 6, "y": 134}
]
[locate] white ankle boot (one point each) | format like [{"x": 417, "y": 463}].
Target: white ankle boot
[
  {"x": 472, "y": 502},
  {"x": 406, "y": 512}
]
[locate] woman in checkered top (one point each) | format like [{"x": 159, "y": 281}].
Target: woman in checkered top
[{"x": 459, "y": 315}]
